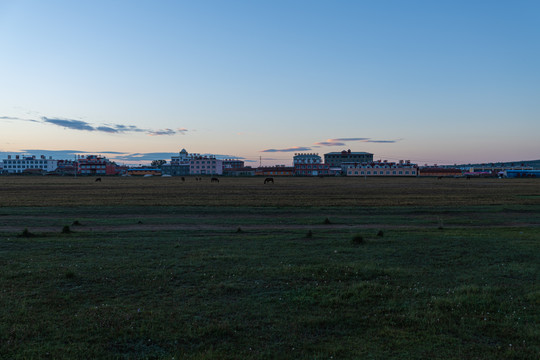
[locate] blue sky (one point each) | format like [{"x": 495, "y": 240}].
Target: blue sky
[{"x": 431, "y": 81}]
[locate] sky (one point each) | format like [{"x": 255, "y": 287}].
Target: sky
[{"x": 436, "y": 82}]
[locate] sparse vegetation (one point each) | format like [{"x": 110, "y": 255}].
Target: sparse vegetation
[
  {"x": 183, "y": 284},
  {"x": 66, "y": 230},
  {"x": 357, "y": 239},
  {"x": 27, "y": 234}
]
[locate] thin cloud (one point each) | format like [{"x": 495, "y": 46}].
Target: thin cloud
[
  {"x": 81, "y": 125},
  {"x": 343, "y": 141},
  {"x": 295, "y": 148},
  {"x": 382, "y": 141},
  {"x": 69, "y": 124},
  {"x": 106, "y": 129},
  {"x": 162, "y": 132},
  {"x": 347, "y": 139},
  {"x": 330, "y": 143}
]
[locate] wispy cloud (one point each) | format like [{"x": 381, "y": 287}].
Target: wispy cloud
[
  {"x": 161, "y": 132},
  {"x": 292, "y": 149},
  {"x": 347, "y": 139},
  {"x": 80, "y": 125},
  {"x": 383, "y": 141},
  {"x": 69, "y": 124},
  {"x": 330, "y": 143},
  {"x": 343, "y": 141}
]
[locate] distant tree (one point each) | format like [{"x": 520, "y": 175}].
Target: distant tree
[{"x": 158, "y": 163}]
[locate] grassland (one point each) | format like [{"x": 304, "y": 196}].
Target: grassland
[{"x": 156, "y": 268}]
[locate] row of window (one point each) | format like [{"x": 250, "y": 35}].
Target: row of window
[
  {"x": 310, "y": 167},
  {"x": 25, "y": 167},
  {"x": 25, "y": 162},
  {"x": 203, "y": 167},
  {"x": 387, "y": 172}
]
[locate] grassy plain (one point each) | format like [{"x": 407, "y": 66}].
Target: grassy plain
[{"x": 158, "y": 268}]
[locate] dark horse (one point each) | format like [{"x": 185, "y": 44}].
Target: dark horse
[
  {"x": 214, "y": 179},
  {"x": 98, "y": 179},
  {"x": 268, "y": 180}
]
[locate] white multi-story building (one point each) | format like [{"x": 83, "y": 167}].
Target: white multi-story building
[
  {"x": 182, "y": 158},
  {"x": 382, "y": 168},
  {"x": 15, "y": 164},
  {"x": 205, "y": 165}
]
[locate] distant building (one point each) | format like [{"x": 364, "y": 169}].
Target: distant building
[
  {"x": 66, "y": 167},
  {"x": 439, "y": 171},
  {"x": 96, "y": 165},
  {"x": 182, "y": 158},
  {"x": 278, "y": 170},
  {"x": 205, "y": 165},
  {"x": 309, "y": 164},
  {"x": 523, "y": 173},
  {"x": 143, "y": 171},
  {"x": 232, "y": 163},
  {"x": 383, "y": 168},
  {"x": 17, "y": 164},
  {"x": 175, "y": 169},
  {"x": 335, "y": 159},
  {"x": 239, "y": 171}
]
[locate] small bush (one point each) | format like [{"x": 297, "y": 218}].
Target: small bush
[
  {"x": 327, "y": 221},
  {"x": 27, "y": 234},
  {"x": 380, "y": 233},
  {"x": 70, "y": 274},
  {"x": 66, "y": 230},
  {"x": 357, "y": 239},
  {"x": 309, "y": 234},
  {"x": 239, "y": 230},
  {"x": 76, "y": 223},
  {"x": 139, "y": 222}
]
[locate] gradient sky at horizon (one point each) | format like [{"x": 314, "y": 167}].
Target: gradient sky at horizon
[{"x": 431, "y": 81}]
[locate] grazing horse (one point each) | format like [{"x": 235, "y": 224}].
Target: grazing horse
[
  {"x": 268, "y": 180},
  {"x": 98, "y": 180},
  {"x": 214, "y": 179}
]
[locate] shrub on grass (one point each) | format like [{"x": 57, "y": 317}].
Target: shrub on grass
[
  {"x": 70, "y": 274},
  {"x": 440, "y": 227},
  {"x": 327, "y": 221},
  {"x": 380, "y": 233},
  {"x": 27, "y": 234},
  {"x": 357, "y": 239},
  {"x": 309, "y": 234},
  {"x": 66, "y": 230},
  {"x": 239, "y": 230},
  {"x": 76, "y": 223}
]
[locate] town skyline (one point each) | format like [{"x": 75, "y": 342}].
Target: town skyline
[{"x": 433, "y": 82}]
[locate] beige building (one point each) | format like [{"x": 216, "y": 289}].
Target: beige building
[{"x": 383, "y": 168}]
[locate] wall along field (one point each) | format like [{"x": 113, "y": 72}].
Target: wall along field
[{"x": 306, "y": 268}]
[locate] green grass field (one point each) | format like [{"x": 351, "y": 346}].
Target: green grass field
[{"x": 158, "y": 269}]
